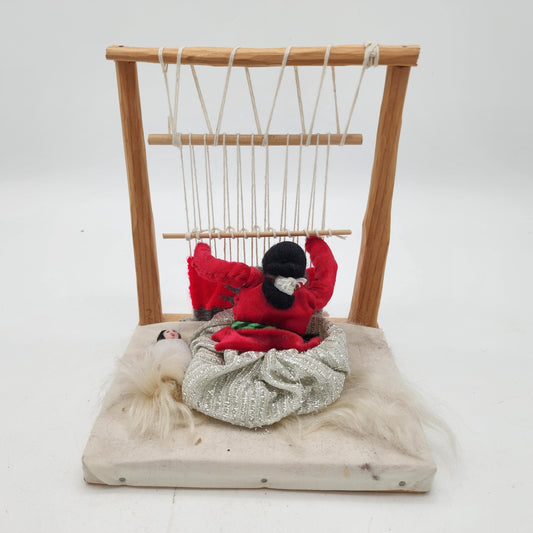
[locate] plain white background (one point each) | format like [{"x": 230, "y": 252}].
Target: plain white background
[{"x": 456, "y": 301}]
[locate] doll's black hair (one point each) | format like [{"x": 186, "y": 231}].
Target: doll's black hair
[
  {"x": 285, "y": 259},
  {"x": 161, "y": 335}
]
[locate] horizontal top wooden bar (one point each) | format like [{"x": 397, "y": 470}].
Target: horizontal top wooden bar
[{"x": 341, "y": 55}]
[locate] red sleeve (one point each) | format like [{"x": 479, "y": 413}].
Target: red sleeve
[
  {"x": 325, "y": 273},
  {"x": 226, "y": 272}
]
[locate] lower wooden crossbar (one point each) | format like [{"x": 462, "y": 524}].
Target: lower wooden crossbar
[
  {"x": 274, "y": 139},
  {"x": 256, "y": 234}
]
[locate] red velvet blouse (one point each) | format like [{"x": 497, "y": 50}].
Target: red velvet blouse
[{"x": 252, "y": 306}]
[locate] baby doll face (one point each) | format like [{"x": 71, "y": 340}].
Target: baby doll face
[{"x": 171, "y": 334}]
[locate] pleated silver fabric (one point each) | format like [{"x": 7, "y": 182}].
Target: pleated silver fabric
[{"x": 255, "y": 389}]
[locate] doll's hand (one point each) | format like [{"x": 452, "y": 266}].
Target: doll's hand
[
  {"x": 310, "y": 241},
  {"x": 202, "y": 248}
]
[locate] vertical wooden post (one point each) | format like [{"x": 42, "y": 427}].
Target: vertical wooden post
[
  {"x": 142, "y": 222},
  {"x": 376, "y": 224}
]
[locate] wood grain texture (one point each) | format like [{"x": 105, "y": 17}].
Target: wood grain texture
[
  {"x": 148, "y": 289},
  {"x": 176, "y": 317},
  {"x": 274, "y": 139},
  {"x": 341, "y": 55},
  {"x": 376, "y": 224}
]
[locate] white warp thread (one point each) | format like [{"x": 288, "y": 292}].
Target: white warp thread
[
  {"x": 282, "y": 70},
  {"x": 252, "y": 98},
  {"x": 299, "y": 96},
  {"x": 224, "y": 94},
  {"x": 334, "y": 84},
  {"x": 371, "y": 59},
  {"x": 324, "y": 67},
  {"x": 201, "y": 98}
]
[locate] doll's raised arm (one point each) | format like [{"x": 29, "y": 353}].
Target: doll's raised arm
[
  {"x": 325, "y": 271},
  {"x": 226, "y": 272}
]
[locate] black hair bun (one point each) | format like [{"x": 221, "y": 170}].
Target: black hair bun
[{"x": 285, "y": 259}]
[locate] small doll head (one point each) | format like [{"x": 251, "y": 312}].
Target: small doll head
[
  {"x": 284, "y": 260},
  {"x": 168, "y": 334}
]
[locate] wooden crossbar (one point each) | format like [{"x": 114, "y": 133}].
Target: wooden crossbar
[
  {"x": 295, "y": 139},
  {"x": 256, "y": 234},
  {"x": 341, "y": 55}
]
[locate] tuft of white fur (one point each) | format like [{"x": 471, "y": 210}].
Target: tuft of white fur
[
  {"x": 379, "y": 406},
  {"x": 151, "y": 387}
]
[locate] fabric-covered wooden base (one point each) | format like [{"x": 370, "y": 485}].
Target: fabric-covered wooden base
[{"x": 219, "y": 455}]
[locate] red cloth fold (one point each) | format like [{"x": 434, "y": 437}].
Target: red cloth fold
[
  {"x": 261, "y": 340},
  {"x": 207, "y": 295}
]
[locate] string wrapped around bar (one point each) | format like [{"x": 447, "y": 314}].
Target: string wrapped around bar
[{"x": 233, "y": 177}]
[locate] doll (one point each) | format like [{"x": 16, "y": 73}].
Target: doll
[
  {"x": 151, "y": 383},
  {"x": 274, "y": 305},
  {"x": 173, "y": 354}
]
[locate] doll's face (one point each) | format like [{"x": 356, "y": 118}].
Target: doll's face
[{"x": 171, "y": 334}]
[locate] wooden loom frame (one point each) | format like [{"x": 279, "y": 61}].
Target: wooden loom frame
[{"x": 376, "y": 224}]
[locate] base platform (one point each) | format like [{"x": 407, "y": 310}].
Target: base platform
[{"x": 220, "y": 455}]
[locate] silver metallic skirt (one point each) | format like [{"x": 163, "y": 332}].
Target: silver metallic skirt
[{"x": 255, "y": 389}]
